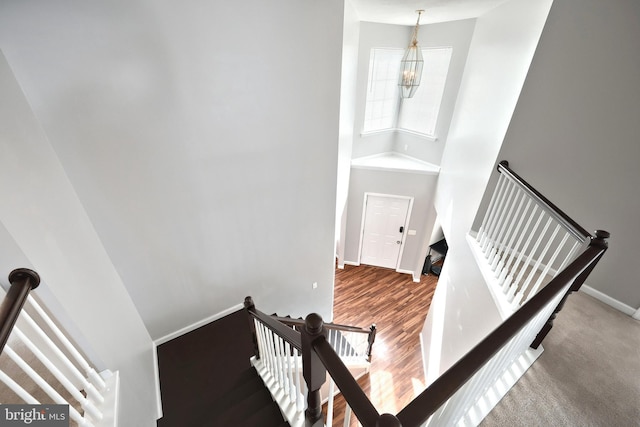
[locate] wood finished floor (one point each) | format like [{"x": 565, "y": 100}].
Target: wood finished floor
[{"x": 398, "y": 306}]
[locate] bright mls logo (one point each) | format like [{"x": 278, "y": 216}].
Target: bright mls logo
[{"x": 34, "y": 415}]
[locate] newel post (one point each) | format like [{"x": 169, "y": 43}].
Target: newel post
[
  {"x": 600, "y": 240},
  {"x": 370, "y": 340},
  {"x": 313, "y": 370},
  {"x": 22, "y": 282},
  {"x": 249, "y": 306}
]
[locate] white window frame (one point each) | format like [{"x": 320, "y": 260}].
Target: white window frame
[{"x": 407, "y": 112}]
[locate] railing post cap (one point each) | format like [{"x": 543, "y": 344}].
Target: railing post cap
[
  {"x": 388, "y": 420},
  {"x": 21, "y": 273},
  {"x": 313, "y": 323},
  {"x": 248, "y": 302},
  {"x": 601, "y": 234}
]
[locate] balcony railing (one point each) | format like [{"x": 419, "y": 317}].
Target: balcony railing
[{"x": 515, "y": 241}]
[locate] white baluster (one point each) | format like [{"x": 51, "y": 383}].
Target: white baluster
[
  {"x": 536, "y": 266},
  {"x": 515, "y": 284},
  {"x": 501, "y": 271},
  {"x": 518, "y": 298},
  {"x": 495, "y": 214},
  {"x": 91, "y": 373},
  {"x": 17, "y": 389},
  {"x": 87, "y": 386},
  {"x": 300, "y": 387},
  {"x": 498, "y": 261},
  {"x": 88, "y": 407},
  {"x": 330, "y": 403},
  {"x": 73, "y": 413},
  {"x": 547, "y": 267},
  {"x": 517, "y": 249},
  {"x": 490, "y": 211},
  {"x": 347, "y": 416},
  {"x": 501, "y": 226}
]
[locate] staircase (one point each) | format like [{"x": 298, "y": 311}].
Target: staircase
[{"x": 206, "y": 379}]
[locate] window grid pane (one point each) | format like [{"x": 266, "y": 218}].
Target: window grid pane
[{"x": 381, "y": 108}]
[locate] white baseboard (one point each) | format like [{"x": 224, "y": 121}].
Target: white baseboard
[
  {"x": 626, "y": 309},
  {"x": 636, "y": 315},
  {"x": 156, "y": 370},
  {"x": 197, "y": 324},
  {"x": 351, "y": 263}
]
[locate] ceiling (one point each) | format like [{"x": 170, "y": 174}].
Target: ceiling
[{"x": 403, "y": 12}]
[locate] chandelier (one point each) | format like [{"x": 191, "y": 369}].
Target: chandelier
[{"x": 411, "y": 65}]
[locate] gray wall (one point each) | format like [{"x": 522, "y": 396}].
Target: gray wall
[
  {"x": 203, "y": 149},
  {"x": 419, "y": 186},
  {"x": 44, "y": 227},
  {"x": 456, "y": 34},
  {"x": 574, "y": 133}
]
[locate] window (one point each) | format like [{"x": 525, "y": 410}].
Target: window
[{"x": 385, "y": 110}]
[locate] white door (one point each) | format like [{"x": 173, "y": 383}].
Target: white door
[{"x": 383, "y": 229}]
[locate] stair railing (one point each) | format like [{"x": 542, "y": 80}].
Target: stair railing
[
  {"x": 352, "y": 343},
  {"x": 523, "y": 242},
  {"x": 23, "y": 333},
  {"x": 454, "y": 397}
]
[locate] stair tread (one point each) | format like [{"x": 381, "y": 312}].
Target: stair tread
[
  {"x": 242, "y": 409},
  {"x": 269, "y": 416}
]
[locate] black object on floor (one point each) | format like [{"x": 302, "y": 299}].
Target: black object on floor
[
  {"x": 206, "y": 379},
  {"x": 441, "y": 248}
]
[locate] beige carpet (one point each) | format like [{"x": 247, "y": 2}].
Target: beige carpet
[{"x": 588, "y": 375}]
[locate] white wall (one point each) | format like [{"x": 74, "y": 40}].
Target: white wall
[
  {"x": 203, "y": 149},
  {"x": 420, "y": 187},
  {"x": 348, "y": 84},
  {"x": 574, "y": 133},
  {"x": 45, "y": 227},
  {"x": 503, "y": 44}
]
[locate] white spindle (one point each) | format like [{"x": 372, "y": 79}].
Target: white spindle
[
  {"x": 50, "y": 391},
  {"x": 521, "y": 292},
  {"x": 515, "y": 283},
  {"x": 547, "y": 267},
  {"x": 347, "y": 416},
  {"x": 18, "y": 389},
  {"x": 292, "y": 388},
  {"x": 502, "y": 249},
  {"x": 491, "y": 211},
  {"x": 330, "y": 403},
  {"x": 518, "y": 250},
  {"x": 86, "y": 405},
  {"x": 569, "y": 257},
  {"x": 87, "y": 386},
  {"x": 301, "y": 388},
  {"x": 91, "y": 373},
  {"x": 501, "y": 226},
  {"x": 497, "y": 219},
  {"x": 502, "y": 270}
]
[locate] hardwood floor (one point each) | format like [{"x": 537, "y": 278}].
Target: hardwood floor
[{"x": 398, "y": 306}]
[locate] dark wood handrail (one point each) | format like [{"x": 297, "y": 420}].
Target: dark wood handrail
[
  {"x": 358, "y": 400},
  {"x": 569, "y": 224},
  {"x": 335, "y": 326},
  {"x": 425, "y": 404},
  {"x": 290, "y": 335},
  {"x": 22, "y": 282}
]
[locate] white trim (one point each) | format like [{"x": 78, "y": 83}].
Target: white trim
[
  {"x": 426, "y": 136},
  {"x": 411, "y": 272},
  {"x": 156, "y": 370},
  {"x": 198, "y": 324},
  {"x": 636, "y": 315},
  {"x": 620, "y": 306},
  {"x": 357, "y": 264}
]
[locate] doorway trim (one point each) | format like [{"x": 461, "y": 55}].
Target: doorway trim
[{"x": 406, "y": 224}]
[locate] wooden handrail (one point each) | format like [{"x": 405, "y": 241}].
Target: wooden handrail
[
  {"x": 22, "y": 282},
  {"x": 358, "y": 400},
  {"x": 419, "y": 410},
  {"x": 425, "y": 404},
  {"x": 288, "y": 334},
  {"x": 569, "y": 224},
  {"x": 334, "y": 326}
]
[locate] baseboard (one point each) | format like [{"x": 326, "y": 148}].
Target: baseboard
[
  {"x": 351, "y": 263},
  {"x": 411, "y": 272},
  {"x": 156, "y": 370},
  {"x": 636, "y": 315},
  {"x": 197, "y": 324},
  {"x": 626, "y": 309}
]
